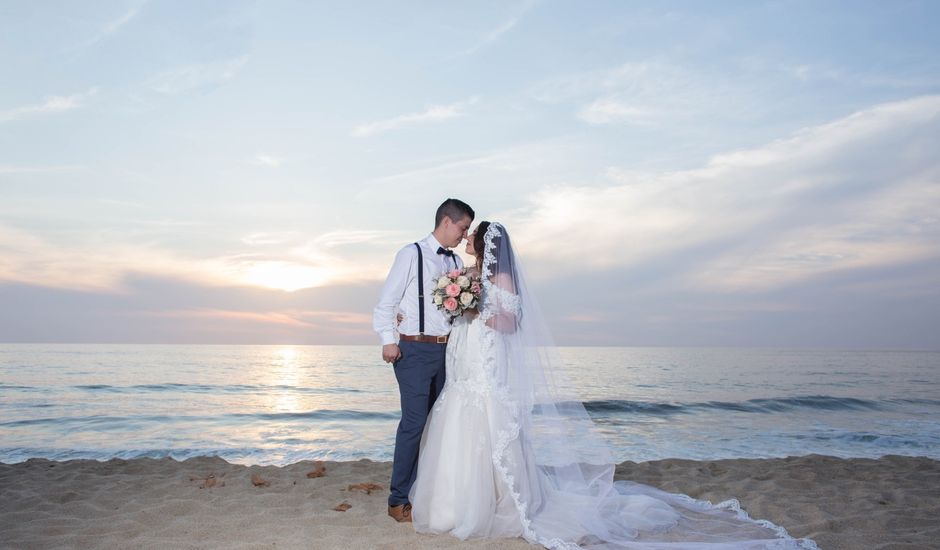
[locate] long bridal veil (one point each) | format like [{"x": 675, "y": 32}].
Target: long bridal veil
[{"x": 558, "y": 467}]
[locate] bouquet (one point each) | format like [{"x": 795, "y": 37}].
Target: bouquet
[{"x": 455, "y": 292}]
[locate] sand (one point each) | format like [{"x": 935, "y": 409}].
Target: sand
[{"x": 890, "y": 503}]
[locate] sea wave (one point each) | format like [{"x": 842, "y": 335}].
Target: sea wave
[
  {"x": 760, "y": 405},
  {"x": 122, "y": 421},
  {"x": 212, "y": 388}
]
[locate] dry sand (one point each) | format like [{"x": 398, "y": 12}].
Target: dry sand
[{"x": 891, "y": 503}]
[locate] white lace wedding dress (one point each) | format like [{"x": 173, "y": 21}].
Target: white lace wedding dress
[
  {"x": 500, "y": 459},
  {"x": 458, "y": 490}
]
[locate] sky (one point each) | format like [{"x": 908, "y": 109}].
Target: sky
[{"x": 755, "y": 173}]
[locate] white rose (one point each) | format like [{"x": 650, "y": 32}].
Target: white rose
[
  {"x": 443, "y": 282},
  {"x": 463, "y": 281},
  {"x": 466, "y": 299},
  {"x": 438, "y": 299}
]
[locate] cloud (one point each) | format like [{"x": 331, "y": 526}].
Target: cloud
[
  {"x": 807, "y": 253},
  {"x": 433, "y": 113},
  {"x": 54, "y": 104},
  {"x": 644, "y": 92},
  {"x": 287, "y": 261},
  {"x": 663, "y": 93},
  {"x": 645, "y": 78},
  {"x": 33, "y": 259},
  {"x": 488, "y": 174},
  {"x": 267, "y": 160},
  {"x": 334, "y": 239},
  {"x": 102, "y": 259},
  {"x": 605, "y": 111},
  {"x": 121, "y": 203},
  {"x": 119, "y": 22},
  {"x": 666, "y": 95},
  {"x": 112, "y": 26},
  {"x": 198, "y": 75},
  {"x": 270, "y": 238},
  {"x": 287, "y": 274},
  {"x": 223, "y": 315},
  {"x": 435, "y": 168},
  {"x": 858, "y": 193},
  {"x": 156, "y": 309},
  {"x": 309, "y": 319},
  {"x": 494, "y": 34},
  {"x": 827, "y": 74},
  {"x": 9, "y": 169}
]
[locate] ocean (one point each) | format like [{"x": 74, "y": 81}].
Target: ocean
[{"x": 280, "y": 404}]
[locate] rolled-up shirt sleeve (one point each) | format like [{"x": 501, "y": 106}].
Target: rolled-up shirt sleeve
[{"x": 383, "y": 317}]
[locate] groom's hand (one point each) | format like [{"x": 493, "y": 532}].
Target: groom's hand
[{"x": 390, "y": 353}]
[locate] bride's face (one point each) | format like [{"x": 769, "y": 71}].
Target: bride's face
[{"x": 470, "y": 250}]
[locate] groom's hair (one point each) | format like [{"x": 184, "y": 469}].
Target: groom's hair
[{"x": 455, "y": 209}]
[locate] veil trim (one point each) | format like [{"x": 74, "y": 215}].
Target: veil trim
[{"x": 501, "y": 459}]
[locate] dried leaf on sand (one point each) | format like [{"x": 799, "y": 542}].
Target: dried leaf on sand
[
  {"x": 366, "y": 488},
  {"x": 342, "y": 506},
  {"x": 319, "y": 470}
]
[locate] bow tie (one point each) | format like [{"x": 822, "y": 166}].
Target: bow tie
[{"x": 444, "y": 251}]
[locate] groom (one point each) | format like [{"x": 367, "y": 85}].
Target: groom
[{"x": 418, "y": 357}]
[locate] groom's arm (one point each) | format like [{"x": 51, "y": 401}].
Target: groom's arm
[{"x": 383, "y": 317}]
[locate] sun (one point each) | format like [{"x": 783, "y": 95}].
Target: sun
[{"x": 285, "y": 276}]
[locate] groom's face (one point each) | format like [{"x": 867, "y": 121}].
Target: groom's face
[{"x": 454, "y": 232}]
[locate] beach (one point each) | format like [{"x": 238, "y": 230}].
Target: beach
[{"x": 206, "y": 502}]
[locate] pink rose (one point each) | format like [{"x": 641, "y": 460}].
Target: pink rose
[
  {"x": 475, "y": 287},
  {"x": 454, "y": 274},
  {"x": 452, "y": 289},
  {"x": 450, "y": 304}
]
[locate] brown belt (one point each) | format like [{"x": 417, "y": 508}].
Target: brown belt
[{"x": 425, "y": 338}]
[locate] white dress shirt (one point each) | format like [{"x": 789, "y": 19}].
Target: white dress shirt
[{"x": 400, "y": 293}]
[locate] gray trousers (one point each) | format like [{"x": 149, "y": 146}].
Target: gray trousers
[{"x": 420, "y": 373}]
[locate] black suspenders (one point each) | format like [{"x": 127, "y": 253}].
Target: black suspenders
[{"x": 420, "y": 290}]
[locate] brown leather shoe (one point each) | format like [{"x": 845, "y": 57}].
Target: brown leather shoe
[{"x": 400, "y": 513}]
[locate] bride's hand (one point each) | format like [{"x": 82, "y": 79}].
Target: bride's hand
[{"x": 502, "y": 322}]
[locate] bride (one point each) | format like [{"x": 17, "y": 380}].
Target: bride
[{"x": 508, "y": 451}]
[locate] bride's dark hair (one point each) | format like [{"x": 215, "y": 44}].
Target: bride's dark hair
[
  {"x": 478, "y": 241},
  {"x": 504, "y": 263}
]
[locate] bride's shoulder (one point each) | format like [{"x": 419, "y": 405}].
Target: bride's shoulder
[
  {"x": 504, "y": 281},
  {"x": 473, "y": 271}
]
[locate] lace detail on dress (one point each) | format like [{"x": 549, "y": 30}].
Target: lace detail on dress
[
  {"x": 472, "y": 392},
  {"x": 504, "y": 300}
]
